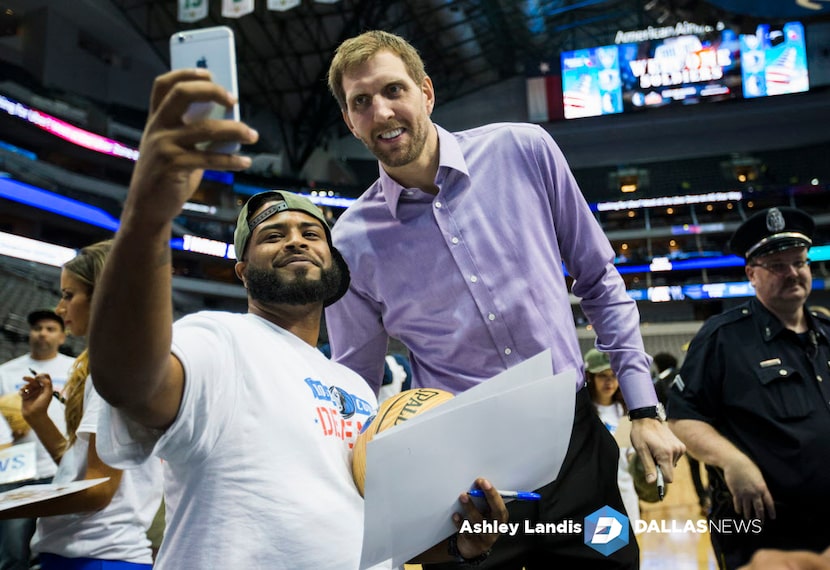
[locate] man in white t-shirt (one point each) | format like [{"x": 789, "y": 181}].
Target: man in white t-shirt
[
  {"x": 255, "y": 426},
  {"x": 46, "y": 335}
]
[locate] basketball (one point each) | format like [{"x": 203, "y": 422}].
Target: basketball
[
  {"x": 392, "y": 412},
  {"x": 10, "y": 408}
]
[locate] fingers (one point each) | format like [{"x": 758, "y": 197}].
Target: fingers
[
  {"x": 473, "y": 544},
  {"x": 649, "y": 467},
  {"x": 165, "y": 83},
  {"x": 35, "y": 385},
  {"x": 215, "y": 131},
  {"x": 175, "y": 94},
  {"x": 656, "y": 444},
  {"x": 495, "y": 504},
  {"x": 769, "y": 504},
  {"x": 754, "y": 505}
]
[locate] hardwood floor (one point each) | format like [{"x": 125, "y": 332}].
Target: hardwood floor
[{"x": 678, "y": 551}]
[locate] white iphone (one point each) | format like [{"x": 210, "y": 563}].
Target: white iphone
[{"x": 213, "y": 49}]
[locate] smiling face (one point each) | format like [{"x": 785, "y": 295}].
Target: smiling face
[
  {"x": 779, "y": 285},
  {"x": 388, "y": 111},
  {"x": 288, "y": 260},
  {"x": 74, "y": 303}
]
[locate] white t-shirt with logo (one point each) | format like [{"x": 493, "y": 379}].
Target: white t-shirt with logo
[
  {"x": 119, "y": 530},
  {"x": 258, "y": 461},
  {"x": 11, "y": 380}
]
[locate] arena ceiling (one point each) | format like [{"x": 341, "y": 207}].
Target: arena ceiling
[{"x": 467, "y": 45}]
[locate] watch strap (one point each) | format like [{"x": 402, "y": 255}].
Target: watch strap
[{"x": 452, "y": 549}]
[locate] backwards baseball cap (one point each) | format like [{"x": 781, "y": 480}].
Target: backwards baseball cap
[
  {"x": 282, "y": 201},
  {"x": 772, "y": 230},
  {"x": 596, "y": 361},
  {"x": 41, "y": 314}
]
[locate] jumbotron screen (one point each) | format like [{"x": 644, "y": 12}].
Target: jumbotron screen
[{"x": 666, "y": 67}]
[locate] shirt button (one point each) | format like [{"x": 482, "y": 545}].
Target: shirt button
[
  {"x": 491, "y": 316},
  {"x": 819, "y": 378},
  {"x": 782, "y": 372},
  {"x": 473, "y": 278},
  {"x": 507, "y": 351},
  {"x": 438, "y": 205},
  {"x": 454, "y": 240}
]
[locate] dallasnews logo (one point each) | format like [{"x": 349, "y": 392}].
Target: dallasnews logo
[
  {"x": 722, "y": 526},
  {"x": 605, "y": 530},
  {"x": 608, "y": 530}
]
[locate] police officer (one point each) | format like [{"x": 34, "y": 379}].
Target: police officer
[{"x": 751, "y": 399}]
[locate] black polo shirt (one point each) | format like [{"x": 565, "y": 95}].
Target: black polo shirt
[{"x": 767, "y": 390}]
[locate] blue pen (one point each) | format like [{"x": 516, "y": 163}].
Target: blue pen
[{"x": 518, "y": 495}]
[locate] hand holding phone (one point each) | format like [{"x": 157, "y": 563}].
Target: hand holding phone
[{"x": 212, "y": 49}]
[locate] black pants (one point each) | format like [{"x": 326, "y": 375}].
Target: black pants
[
  {"x": 586, "y": 482},
  {"x": 794, "y": 528}
]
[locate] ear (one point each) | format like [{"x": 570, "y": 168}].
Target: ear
[
  {"x": 749, "y": 271},
  {"x": 239, "y": 269},
  {"x": 429, "y": 93}
]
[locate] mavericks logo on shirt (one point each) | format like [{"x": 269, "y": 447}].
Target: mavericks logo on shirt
[{"x": 340, "y": 414}]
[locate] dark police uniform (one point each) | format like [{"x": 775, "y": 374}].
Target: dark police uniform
[{"x": 767, "y": 390}]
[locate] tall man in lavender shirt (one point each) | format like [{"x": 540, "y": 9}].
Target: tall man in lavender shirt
[{"x": 457, "y": 251}]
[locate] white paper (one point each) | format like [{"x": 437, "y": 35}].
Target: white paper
[
  {"x": 530, "y": 370},
  {"x": 18, "y": 463},
  {"x": 513, "y": 429},
  {"x": 29, "y": 494}
]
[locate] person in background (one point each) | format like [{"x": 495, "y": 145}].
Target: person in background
[
  {"x": 751, "y": 398},
  {"x": 102, "y": 527},
  {"x": 666, "y": 365},
  {"x": 254, "y": 424},
  {"x": 47, "y": 333},
  {"x": 607, "y": 398},
  {"x": 457, "y": 251}
]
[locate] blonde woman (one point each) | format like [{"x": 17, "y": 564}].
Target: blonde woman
[
  {"x": 103, "y": 527},
  {"x": 607, "y": 397}
]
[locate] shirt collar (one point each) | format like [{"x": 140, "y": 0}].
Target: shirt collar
[
  {"x": 450, "y": 156},
  {"x": 768, "y": 323}
]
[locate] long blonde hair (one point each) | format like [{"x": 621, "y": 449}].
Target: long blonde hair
[{"x": 86, "y": 267}]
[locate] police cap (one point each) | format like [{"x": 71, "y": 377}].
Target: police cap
[{"x": 771, "y": 230}]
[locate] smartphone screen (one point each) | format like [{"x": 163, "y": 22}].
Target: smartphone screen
[{"x": 212, "y": 49}]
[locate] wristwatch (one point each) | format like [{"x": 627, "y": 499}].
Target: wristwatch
[
  {"x": 657, "y": 412},
  {"x": 452, "y": 549}
]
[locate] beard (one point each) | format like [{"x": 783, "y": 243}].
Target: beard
[
  {"x": 267, "y": 286},
  {"x": 402, "y": 155}
]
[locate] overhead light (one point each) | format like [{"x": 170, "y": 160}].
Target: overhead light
[
  {"x": 742, "y": 168},
  {"x": 628, "y": 180}
]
